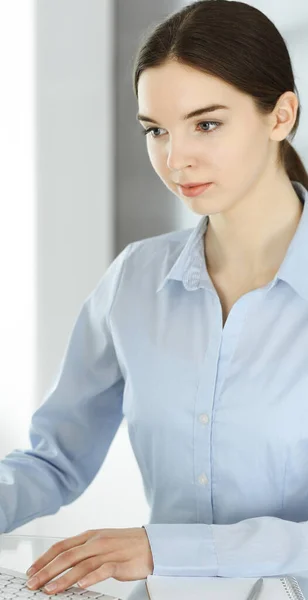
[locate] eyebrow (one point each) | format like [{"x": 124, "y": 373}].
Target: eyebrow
[{"x": 194, "y": 113}]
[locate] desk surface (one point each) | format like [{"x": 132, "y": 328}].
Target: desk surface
[{"x": 19, "y": 552}]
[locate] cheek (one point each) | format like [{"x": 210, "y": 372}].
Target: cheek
[
  {"x": 157, "y": 160},
  {"x": 240, "y": 152},
  {"x": 254, "y": 155},
  {"x": 252, "y": 141}
]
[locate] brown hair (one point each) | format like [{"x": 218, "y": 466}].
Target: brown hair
[{"x": 239, "y": 44}]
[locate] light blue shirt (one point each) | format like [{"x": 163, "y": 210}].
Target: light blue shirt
[{"x": 217, "y": 416}]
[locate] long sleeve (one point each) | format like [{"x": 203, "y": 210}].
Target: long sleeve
[
  {"x": 260, "y": 546},
  {"x": 72, "y": 430}
]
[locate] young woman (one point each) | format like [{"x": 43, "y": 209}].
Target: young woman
[{"x": 198, "y": 337}]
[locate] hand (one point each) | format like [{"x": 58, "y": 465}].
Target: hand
[{"x": 95, "y": 555}]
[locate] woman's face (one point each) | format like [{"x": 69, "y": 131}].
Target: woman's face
[{"x": 230, "y": 147}]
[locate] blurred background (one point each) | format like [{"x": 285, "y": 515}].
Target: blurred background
[{"x": 76, "y": 187}]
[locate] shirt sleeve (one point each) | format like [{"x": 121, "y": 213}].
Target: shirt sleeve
[
  {"x": 71, "y": 432},
  {"x": 259, "y": 546}
]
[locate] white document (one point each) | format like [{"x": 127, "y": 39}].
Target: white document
[{"x": 221, "y": 588}]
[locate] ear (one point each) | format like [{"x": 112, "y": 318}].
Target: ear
[{"x": 284, "y": 116}]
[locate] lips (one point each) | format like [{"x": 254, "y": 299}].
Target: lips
[
  {"x": 195, "y": 190},
  {"x": 190, "y": 185}
]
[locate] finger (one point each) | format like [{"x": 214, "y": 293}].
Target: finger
[
  {"x": 56, "y": 549},
  {"x": 65, "y": 560},
  {"x": 105, "y": 571},
  {"x": 79, "y": 572},
  {"x": 70, "y": 558}
]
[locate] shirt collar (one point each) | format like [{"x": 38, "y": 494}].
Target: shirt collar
[{"x": 190, "y": 265}]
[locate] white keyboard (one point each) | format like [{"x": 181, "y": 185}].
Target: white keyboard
[{"x": 13, "y": 587}]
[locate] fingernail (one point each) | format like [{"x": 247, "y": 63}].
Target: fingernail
[
  {"x": 82, "y": 583},
  {"x": 50, "y": 587},
  {"x": 32, "y": 582},
  {"x": 30, "y": 571}
]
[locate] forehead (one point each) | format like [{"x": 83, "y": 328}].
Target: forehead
[{"x": 179, "y": 88}]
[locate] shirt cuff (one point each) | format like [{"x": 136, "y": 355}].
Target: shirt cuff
[{"x": 182, "y": 550}]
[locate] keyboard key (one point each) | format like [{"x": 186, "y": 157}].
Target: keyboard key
[{"x": 14, "y": 587}]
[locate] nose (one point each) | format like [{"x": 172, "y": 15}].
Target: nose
[{"x": 178, "y": 158}]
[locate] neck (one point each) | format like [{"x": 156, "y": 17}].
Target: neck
[{"x": 253, "y": 236}]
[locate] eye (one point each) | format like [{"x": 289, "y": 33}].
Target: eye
[
  {"x": 153, "y": 129},
  {"x": 150, "y": 130},
  {"x": 216, "y": 123}
]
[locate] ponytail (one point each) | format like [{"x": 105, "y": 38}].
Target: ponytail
[{"x": 293, "y": 164}]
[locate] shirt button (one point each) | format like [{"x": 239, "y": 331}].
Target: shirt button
[
  {"x": 203, "y": 419},
  {"x": 203, "y": 480}
]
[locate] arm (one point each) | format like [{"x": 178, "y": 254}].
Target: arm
[
  {"x": 72, "y": 430},
  {"x": 259, "y": 546}
]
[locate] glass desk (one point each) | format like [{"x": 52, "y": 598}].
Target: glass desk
[{"x": 19, "y": 552}]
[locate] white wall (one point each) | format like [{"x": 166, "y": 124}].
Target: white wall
[
  {"x": 17, "y": 223},
  {"x": 75, "y": 148}
]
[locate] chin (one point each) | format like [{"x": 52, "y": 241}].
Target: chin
[{"x": 201, "y": 207}]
